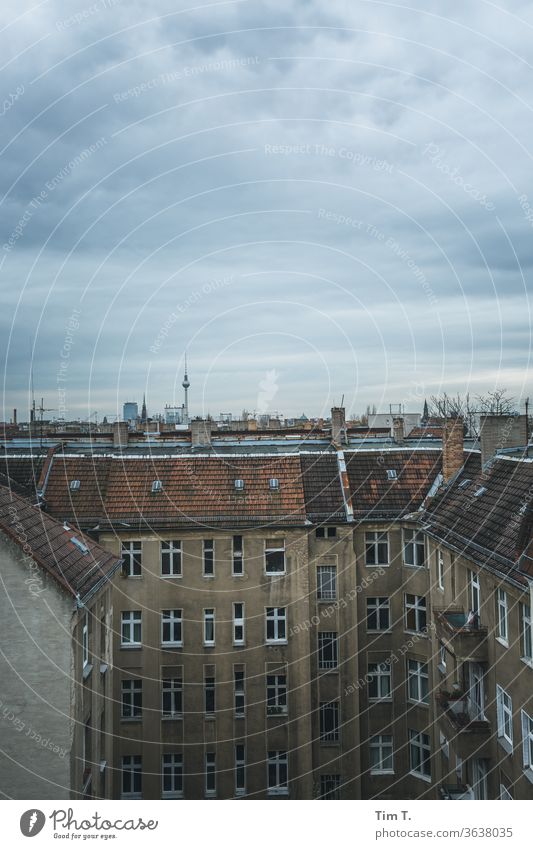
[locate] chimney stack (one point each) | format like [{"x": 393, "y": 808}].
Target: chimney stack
[
  {"x": 15, "y": 416},
  {"x": 120, "y": 435},
  {"x": 398, "y": 430},
  {"x": 452, "y": 447},
  {"x": 500, "y": 432},
  {"x": 338, "y": 426},
  {"x": 200, "y": 432}
]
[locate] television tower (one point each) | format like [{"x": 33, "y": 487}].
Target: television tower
[{"x": 186, "y": 385}]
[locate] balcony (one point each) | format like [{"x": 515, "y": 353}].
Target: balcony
[
  {"x": 455, "y": 792},
  {"x": 465, "y": 724},
  {"x": 465, "y": 641}
]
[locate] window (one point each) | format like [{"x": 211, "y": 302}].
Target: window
[
  {"x": 209, "y": 626},
  {"x": 74, "y": 485},
  {"x": 240, "y": 769},
  {"x": 526, "y": 647},
  {"x": 238, "y": 624},
  {"x": 171, "y": 558},
  {"x": 239, "y": 692},
  {"x": 276, "y": 688},
  {"x": 209, "y": 557},
  {"x": 132, "y": 698},
  {"x": 444, "y": 745},
  {"x": 527, "y": 744},
  {"x": 379, "y": 681},
  {"x": 209, "y": 694},
  {"x": 171, "y": 628},
  {"x": 276, "y": 624},
  {"x": 419, "y": 754},
  {"x": 504, "y": 709},
  {"x": 330, "y": 787},
  {"x": 275, "y": 556},
  {"x": 442, "y": 657},
  {"x": 328, "y": 652},
  {"x": 239, "y": 485},
  {"x": 381, "y": 759},
  {"x": 329, "y": 722},
  {"x": 476, "y": 691},
  {"x": 172, "y": 774},
  {"x": 377, "y": 548},
  {"x": 502, "y": 611},
  {"x": 377, "y": 613},
  {"x": 131, "y": 628},
  {"x": 439, "y": 557},
  {"x": 210, "y": 774},
  {"x": 273, "y": 484},
  {"x": 278, "y": 773},
  {"x": 131, "y": 777},
  {"x": 132, "y": 558},
  {"x": 505, "y": 793},
  {"x": 480, "y": 778},
  {"x": 392, "y": 475},
  {"x": 414, "y": 548},
  {"x": 238, "y": 556},
  {"x": 475, "y": 593},
  {"x": 326, "y": 581},
  {"x": 415, "y": 613},
  {"x": 172, "y": 692},
  {"x": 326, "y": 532},
  {"x": 417, "y": 681},
  {"x": 157, "y": 486},
  {"x": 85, "y": 641}
]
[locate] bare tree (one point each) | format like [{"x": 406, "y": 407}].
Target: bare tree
[
  {"x": 498, "y": 402},
  {"x": 446, "y": 405}
]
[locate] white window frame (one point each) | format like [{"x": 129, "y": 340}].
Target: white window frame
[
  {"x": 526, "y": 648},
  {"x": 442, "y": 658},
  {"x": 131, "y": 687},
  {"x": 172, "y": 768},
  {"x": 131, "y": 552},
  {"x": 505, "y": 793},
  {"x": 239, "y": 635},
  {"x": 279, "y": 760},
  {"x": 173, "y": 619},
  {"x": 172, "y": 687},
  {"x": 375, "y": 542},
  {"x": 380, "y": 674},
  {"x": 237, "y": 556},
  {"x": 210, "y": 774},
  {"x": 327, "y": 639},
  {"x": 273, "y": 546},
  {"x": 240, "y": 769},
  {"x": 326, "y": 590},
  {"x": 419, "y": 606},
  {"x": 375, "y": 605},
  {"x": 131, "y": 765},
  {"x": 171, "y": 549},
  {"x": 526, "y": 722},
  {"x": 440, "y": 568},
  {"x": 475, "y": 592},
  {"x": 415, "y": 542},
  {"x": 209, "y": 618},
  {"x": 85, "y": 641},
  {"x": 239, "y": 692},
  {"x": 276, "y": 693},
  {"x": 132, "y": 619},
  {"x": 502, "y": 611},
  {"x": 420, "y": 679},
  {"x": 476, "y": 691},
  {"x": 279, "y": 622},
  {"x": 419, "y": 744},
  {"x": 208, "y": 547},
  {"x": 504, "y": 710},
  {"x": 382, "y": 745},
  {"x": 480, "y": 774}
]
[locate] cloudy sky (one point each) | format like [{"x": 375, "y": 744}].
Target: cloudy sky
[{"x": 316, "y": 198}]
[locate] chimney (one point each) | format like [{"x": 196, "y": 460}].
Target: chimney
[
  {"x": 120, "y": 435},
  {"x": 15, "y": 416},
  {"x": 338, "y": 426},
  {"x": 501, "y": 432},
  {"x": 452, "y": 447},
  {"x": 200, "y": 432},
  {"x": 398, "y": 431}
]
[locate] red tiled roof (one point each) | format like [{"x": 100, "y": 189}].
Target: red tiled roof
[{"x": 322, "y": 487}]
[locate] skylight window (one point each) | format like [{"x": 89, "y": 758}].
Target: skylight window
[
  {"x": 157, "y": 486},
  {"x": 392, "y": 474},
  {"x": 74, "y": 485},
  {"x": 239, "y": 484},
  {"x": 480, "y": 491},
  {"x": 464, "y": 483},
  {"x": 274, "y": 483},
  {"x": 79, "y": 544}
]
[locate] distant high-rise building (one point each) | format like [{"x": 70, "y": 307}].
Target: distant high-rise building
[
  {"x": 130, "y": 411},
  {"x": 144, "y": 415}
]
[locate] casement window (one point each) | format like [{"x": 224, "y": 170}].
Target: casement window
[
  {"x": 476, "y": 691},
  {"x": 377, "y": 613},
  {"x": 526, "y": 638},
  {"x": 328, "y": 650},
  {"x": 417, "y": 681},
  {"x": 326, "y": 532},
  {"x": 419, "y": 754},
  {"x": 172, "y": 697},
  {"x": 132, "y": 558},
  {"x": 276, "y": 692},
  {"x": 276, "y": 624},
  {"x": 326, "y": 583},
  {"x": 381, "y": 754},
  {"x": 209, "y": 557},
  {"x": 444, "y": 745},
  {"x": 237, "y": 556},
  {"x": 131, "y": 624},
  {"x": 209, "y": 695},
  {"x": 172, "y": 627},
  {"x": 527, "y": 744},
  {"x": 480, "y": 773},
  {"x": 442, "y": 657},
  {"x": 439, "y": 560},
  {"x": 274, "y": 556},
  {"x": 415, "y": 613},
  {"x": 329, "y": 722},
  {"x": 209, "y": 626},
  {"x": 379, "y": 679},
  {"x": 85, "y": 641},
  {"x": 504, "y": 709},
  {"x": 170, "y": 554},
  {"x": 238, "y": 623},
  {"x": 132, "y": 698},
  {"x": 172, "y": 776},
  {"x": 210, "y": 774},
  {"x": 414, "y": 548},
  {"x": 377, "y": 548},
  {"x": 330, "y": 787},
  {"x": 131, "y": 777},
  {"x": 502, "y": 611},
  {"x": 240, "y": 769},
  {"x": 239, "y": 693},
  {"x": 474, "y": 592},
  {"x": 277, "y": 773}
]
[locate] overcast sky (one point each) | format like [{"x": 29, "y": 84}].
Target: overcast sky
[{"x": 313, "y": 199}]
